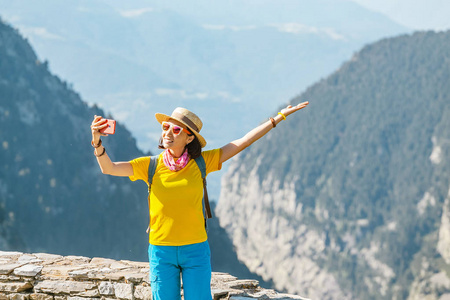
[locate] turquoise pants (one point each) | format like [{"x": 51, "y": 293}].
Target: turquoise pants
[{"x": 191, "y": 262}]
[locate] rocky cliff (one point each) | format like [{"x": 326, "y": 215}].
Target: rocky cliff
[{"x": 348, "y": 199}]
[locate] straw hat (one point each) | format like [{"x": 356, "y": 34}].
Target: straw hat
[{"x": 187, "y": 118}]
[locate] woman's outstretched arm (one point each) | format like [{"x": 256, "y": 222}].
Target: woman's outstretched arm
[
  {"x": 106, "y": 165},
  {"x": 233, "y": 148}
]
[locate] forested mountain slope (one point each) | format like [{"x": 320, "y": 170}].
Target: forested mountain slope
[
  {"x": 352, "y": 193},
  {"x": 51, "y": 182}
]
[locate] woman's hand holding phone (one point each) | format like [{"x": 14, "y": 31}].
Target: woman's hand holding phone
[{"x": 101, "y": 127}]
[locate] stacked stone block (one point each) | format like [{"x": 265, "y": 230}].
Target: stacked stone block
[{"x": 43, "y": 276}]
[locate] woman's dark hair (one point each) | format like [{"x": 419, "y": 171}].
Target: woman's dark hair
[{"x": 194, "y": 148}]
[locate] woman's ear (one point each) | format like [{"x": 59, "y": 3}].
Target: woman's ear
[{"x": 190, "y": 139}]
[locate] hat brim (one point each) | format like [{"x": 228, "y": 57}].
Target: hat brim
[{"x": 165, "y": 118}]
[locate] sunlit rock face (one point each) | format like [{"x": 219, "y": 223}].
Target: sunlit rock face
[{"x": 259, "y": 220}]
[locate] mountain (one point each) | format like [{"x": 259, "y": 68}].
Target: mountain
[
  {"x": 220, "y": 59},
  {"x": 53, "y": 197},
  {"x": 52, "y": 185},
  {"x": 350, "y": 197}
]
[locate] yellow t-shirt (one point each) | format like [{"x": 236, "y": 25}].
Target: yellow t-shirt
[{"x": 176, "y": 209}]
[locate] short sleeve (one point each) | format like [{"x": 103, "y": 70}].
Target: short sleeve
[
  {"x": 212, "y": 160},
  {"x": 140, "y": 168}
]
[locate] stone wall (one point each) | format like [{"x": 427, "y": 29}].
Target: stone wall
[{"x": 43, "y": 276}]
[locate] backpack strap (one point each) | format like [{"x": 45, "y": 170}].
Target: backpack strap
[
  {"x": 151, "y": 171},
  {"x": 202, "y": 166}
]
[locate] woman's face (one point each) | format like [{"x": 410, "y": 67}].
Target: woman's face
[{"x": 175, "y": 141}]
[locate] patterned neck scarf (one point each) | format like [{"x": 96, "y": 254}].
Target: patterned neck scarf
[{"x": 175, "y": 165}]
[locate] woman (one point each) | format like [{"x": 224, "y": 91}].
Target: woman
[{"x": 177, "y": 239}]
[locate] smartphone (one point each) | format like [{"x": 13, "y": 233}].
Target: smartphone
[{"x": 111, "y": 128}]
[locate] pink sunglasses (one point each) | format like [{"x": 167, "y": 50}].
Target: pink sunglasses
[{"x": 175, "y": 128}]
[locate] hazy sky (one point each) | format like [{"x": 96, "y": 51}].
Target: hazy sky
[{"x": 415, "y": 14}]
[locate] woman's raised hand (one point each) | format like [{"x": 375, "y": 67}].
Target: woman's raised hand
[
  {"x": 97, "y": 124},
  {"x": 291, "y": 109}
]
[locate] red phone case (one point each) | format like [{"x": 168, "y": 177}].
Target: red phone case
[{"x": 111, "y": 128}]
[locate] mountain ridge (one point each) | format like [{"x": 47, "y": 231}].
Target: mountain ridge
[{"x": 352, "y": 194}]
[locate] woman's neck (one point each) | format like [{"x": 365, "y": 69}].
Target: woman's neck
[{"x": 176, "y": 153}]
